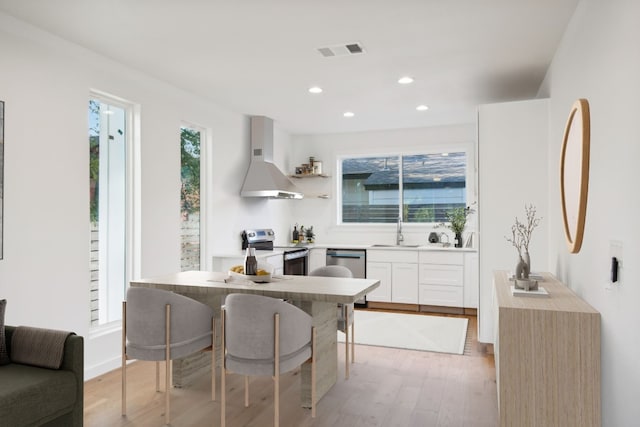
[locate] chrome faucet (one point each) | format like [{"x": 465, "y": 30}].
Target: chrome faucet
[{"x": 399, "y": 236}]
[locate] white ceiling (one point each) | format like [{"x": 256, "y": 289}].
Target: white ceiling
[{"x": 259, "y": 57}]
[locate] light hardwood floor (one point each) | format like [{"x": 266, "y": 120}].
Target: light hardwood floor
[{"x": 387, "y": 387}]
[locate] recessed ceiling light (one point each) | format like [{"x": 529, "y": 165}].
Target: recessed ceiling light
[
  {"x": 422, "y": 108},
  {"x": 405, "y": 80},
  {"x": 315, "y": 89},
  {"x": 436, "y": 178},
  {"x": 445, "y": 154},
  {"x": 348, "y": 114}
]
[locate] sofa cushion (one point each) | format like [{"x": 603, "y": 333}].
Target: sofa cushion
[
  {"x": 33, "y": 396},
  {"x": 4, "y": 356}
]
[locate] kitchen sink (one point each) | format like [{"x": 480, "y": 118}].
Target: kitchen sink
[{"x": 382, "y": 245}]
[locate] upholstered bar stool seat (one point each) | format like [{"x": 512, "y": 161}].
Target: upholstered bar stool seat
[
  {"x": 161, "y": 325},
  {"x": 265, "y": 336}
]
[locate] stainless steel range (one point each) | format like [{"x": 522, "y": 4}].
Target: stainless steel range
[{"x": 296, "y": 259}]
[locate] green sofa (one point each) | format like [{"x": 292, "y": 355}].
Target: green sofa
[{"x": 33, "y": 396}]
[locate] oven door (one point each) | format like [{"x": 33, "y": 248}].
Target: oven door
[{"x": 296, "y": 262}]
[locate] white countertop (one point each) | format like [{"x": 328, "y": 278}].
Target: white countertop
[
  {"x": 280, "y": 249},
  {"x": 241, "y": 253},
  {"x": 426, "y": 247}
]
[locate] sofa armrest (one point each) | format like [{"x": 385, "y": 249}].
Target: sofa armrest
[{"x": 72, "y": 360}]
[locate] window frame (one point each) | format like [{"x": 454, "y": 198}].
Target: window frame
[
  {"x": 133, "y": 184},
  {"x": 470, "y": 180}
]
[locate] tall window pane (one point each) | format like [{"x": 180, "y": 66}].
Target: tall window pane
[
  {"x": 190, "y": 198},
  {"x": 432, "y": 184},
  {"x": 370, "y": 189},
  {"x": 107, "y": 209}
]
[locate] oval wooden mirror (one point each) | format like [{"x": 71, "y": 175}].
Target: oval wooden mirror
[{"x": 574, "y": 173}]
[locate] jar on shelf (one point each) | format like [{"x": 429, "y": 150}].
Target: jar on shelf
[{"x": 317, "y": 167}]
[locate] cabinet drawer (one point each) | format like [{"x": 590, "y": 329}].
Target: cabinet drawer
[
  {"x": 392, "y": 255},
  {"x": 442, "y": 257},
  {"x": 445, "y": 275},
  {"x": 448, "y": 296}
]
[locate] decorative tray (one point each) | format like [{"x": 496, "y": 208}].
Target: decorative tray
[{"x": 258, "y": 278}]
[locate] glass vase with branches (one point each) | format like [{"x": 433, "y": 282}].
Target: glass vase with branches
[{"x": 521, "y": 233}]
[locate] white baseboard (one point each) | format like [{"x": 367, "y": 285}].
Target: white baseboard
[{"x": 102, "y": 368}]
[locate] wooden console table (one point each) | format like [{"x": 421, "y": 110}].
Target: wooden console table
[{"x": 547, "y": 356}]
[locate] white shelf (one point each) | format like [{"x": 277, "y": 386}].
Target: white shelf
[{"x": 310, "y": 175}]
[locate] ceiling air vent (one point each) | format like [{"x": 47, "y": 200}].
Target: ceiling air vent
[{"x": 341, "y": 50}]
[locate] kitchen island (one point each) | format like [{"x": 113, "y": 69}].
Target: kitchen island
[{"x": 318, "y": 296}]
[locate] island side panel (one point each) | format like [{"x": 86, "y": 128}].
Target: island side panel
[
  {"x": 325, "y": 320},
  {"x": 187, "y": 370}
]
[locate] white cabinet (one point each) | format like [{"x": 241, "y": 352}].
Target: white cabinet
[
  {"x": 441, "y": 279},
  {"x": 317, "y": 258},
  {"x": 471, "y": 277},
  {"x": 382, "y": 272},
  {"x": 426, "y": 277},
  {"x": 397, "y": 271},
  {"x": 404, "y": 282}
]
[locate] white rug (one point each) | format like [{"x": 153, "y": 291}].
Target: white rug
[{"x": 411, "y": 331}]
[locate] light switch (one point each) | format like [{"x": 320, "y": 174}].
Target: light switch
[{"x": 616, "y": 264}]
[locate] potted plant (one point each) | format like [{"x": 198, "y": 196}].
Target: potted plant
[
  {"x": 309, "y": 234},
  {"x": 457, "y": 218}
]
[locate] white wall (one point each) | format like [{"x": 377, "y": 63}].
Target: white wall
[
  {"x": 45, "y": 83},
  {"x": 599, "y": 60},
  {"x": 322, "y": 213},
  {"x": 513, "y": 172}
]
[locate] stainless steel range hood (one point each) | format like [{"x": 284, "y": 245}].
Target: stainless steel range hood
[{"x": 263, "y": 178}]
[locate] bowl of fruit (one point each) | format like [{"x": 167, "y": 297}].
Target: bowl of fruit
[{"x": 263, "y": 274}]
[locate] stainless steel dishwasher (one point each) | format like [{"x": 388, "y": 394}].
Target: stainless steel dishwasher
[{"x": 354, "y": 259}]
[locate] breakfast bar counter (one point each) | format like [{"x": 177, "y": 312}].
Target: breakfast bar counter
[{"x": 318, "y": 296}]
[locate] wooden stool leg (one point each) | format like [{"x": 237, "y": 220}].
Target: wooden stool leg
[
  {"x": 313, "y": 372},
  {"x": 223, "y": 375},
  {"x": 276, "y": 374},
  {"x": 353, "y": 342},
  {"x": 246, "y": 391},
  {"x": 346, "y": 342},
  {"x": 167, "y": 379},
  {"x": 158, "y": 377},
  {"x": 124, "y": 358},
  {"x": 213, "y": 358}
]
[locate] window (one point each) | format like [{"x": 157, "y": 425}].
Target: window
[
  {"x": 426, "y": 186},
  {"x": 109, "y": 140},
  {"x": 190, "y": 198}
]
